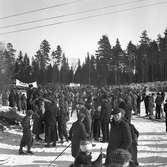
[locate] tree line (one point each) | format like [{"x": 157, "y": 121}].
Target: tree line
[{"x": 144, "y": 62}]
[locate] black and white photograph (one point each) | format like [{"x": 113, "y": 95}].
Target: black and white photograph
[{"x": 83, "y": 83}]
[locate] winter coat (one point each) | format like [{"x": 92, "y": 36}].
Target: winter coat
[
  {"x": 88, "y": 119},
  {"x": 12, "y": 99},
  {"x": 120, "y": 137},
  {"x": 50, "y": 119},
  {"x": 159, "y": 100},
  {"x": 133, "y": 147},
  {"x": 165, "y": 107},
  {"x": 97, "y": 108},
  {"x": 105, "y": 112},
  {"x": 151, "y": 105},
  {"x": 27, "y": 139},
  {"x": 38, "y": 125},
  {"x": 50, "y": 115},
  {"x": 83, "y": 160},
  {"x": 76, "y": 134}
]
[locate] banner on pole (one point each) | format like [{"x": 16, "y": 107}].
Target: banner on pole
[{"x": 19, "y": 83}]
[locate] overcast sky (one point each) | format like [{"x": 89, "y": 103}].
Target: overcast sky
[{"x": 125, "y": 21}]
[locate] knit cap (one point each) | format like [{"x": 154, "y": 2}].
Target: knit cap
[{"x": 119, "y": 156}]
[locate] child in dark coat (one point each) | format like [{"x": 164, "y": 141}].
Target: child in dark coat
[{"x": 27, "y": 139}]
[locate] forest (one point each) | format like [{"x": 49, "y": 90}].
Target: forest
[{"x": 111, "y": 65}]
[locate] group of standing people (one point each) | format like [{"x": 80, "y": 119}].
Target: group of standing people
[
  {"x": 49, "y": 115},
  {"x": 114, "y": 125},
  {"x": 154, "y": 104},
  {"x": 103, "y": 115}
]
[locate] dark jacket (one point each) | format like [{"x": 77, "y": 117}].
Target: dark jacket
[
  {"x": 76, "y": 134},
  {"x": 165, "y": 107},
  {"x": 88, "y": 119},
  {"x": 120, "y": 136},
  {"x": 38, "y": 125},
  {"x": 105, "y": 112},
  {"x": 83, "y": 160},
  {"x": 12, "y": 99},
  {"x": 50, "y": 115},
  {"x": 27, "y": 139}
]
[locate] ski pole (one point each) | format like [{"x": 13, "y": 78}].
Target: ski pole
[{"x": 59, "y": 155}]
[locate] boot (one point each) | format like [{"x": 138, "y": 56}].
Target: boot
[
  {"x": 21, "y": 152},
  {"x": 54, "y": 144},
  {"x": 30, "y": 152}
]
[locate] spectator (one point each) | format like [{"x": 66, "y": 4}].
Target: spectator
[
  {"x": 120, "y": 134},
  {"x": 76, "y": 134},
  {"x": 12, "y": 98},
  {"x": 27, "y": 139},
  {"x": 119, "y": 158},
  {"x": 158, "y": 109}
]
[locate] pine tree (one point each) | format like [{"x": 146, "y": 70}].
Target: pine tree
[
  {"x": 35, "y": 70},
  {"x": 57, "y": 59},
  {"x": 7, "y": 64},
  {"x": 42, "y": 55},
  {"x": 42, "y": 59},
  {"x": 19, "y": 66},
  {"x": 132, "y": 54},
  {"x": 119, "y": 62},
  {"x": 154, "y": 62},
  {"x": 143, "y": 56},
  {"x": 162, "y": 56},
  {"x": 27, "y": 73},
  {"x": 104, "y": 55},
  {"x": 57, "y": 56},
  {"x": 64, "y": 69},
  {"x": 49, "y": 72},
  {"x": 78, "y": 73}
]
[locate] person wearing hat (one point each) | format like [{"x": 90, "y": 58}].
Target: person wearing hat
[
  {"x": 29, "y": 96},
  {"x": 133, "y": 147},
  {"x": 165, "y": 110},
  {"x": 77, "y": 133},
  {"x": 27, "y": 139},
  {"x": 128, "y": 111},
  {"x": 158, "y": 108},
  {"x": 88, "y": 118},
  {"x": 80, "y": 105},
  {"x": 119, "y": 158},
  {"x": 84, "y": 158},
  {"x": 38, "y": 125},
  {"x": 50, "y": 120},
  {"x": 120, "y": 134}
]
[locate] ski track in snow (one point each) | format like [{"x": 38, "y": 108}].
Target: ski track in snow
[{"x": 152, "y": 147}]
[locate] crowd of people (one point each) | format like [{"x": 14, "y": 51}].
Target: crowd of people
[{"x": 103, "y": 115}]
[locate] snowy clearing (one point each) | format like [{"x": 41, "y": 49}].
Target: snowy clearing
[{"x": 152, "y": 147}]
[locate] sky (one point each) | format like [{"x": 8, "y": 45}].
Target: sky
[{"x": 78, "y": 34}]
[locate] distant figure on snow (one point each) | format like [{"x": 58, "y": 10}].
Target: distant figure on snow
[{"x": 27, "y": 139}]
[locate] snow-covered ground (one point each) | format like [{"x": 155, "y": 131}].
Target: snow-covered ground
[{"x": 152, "y": 147}]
